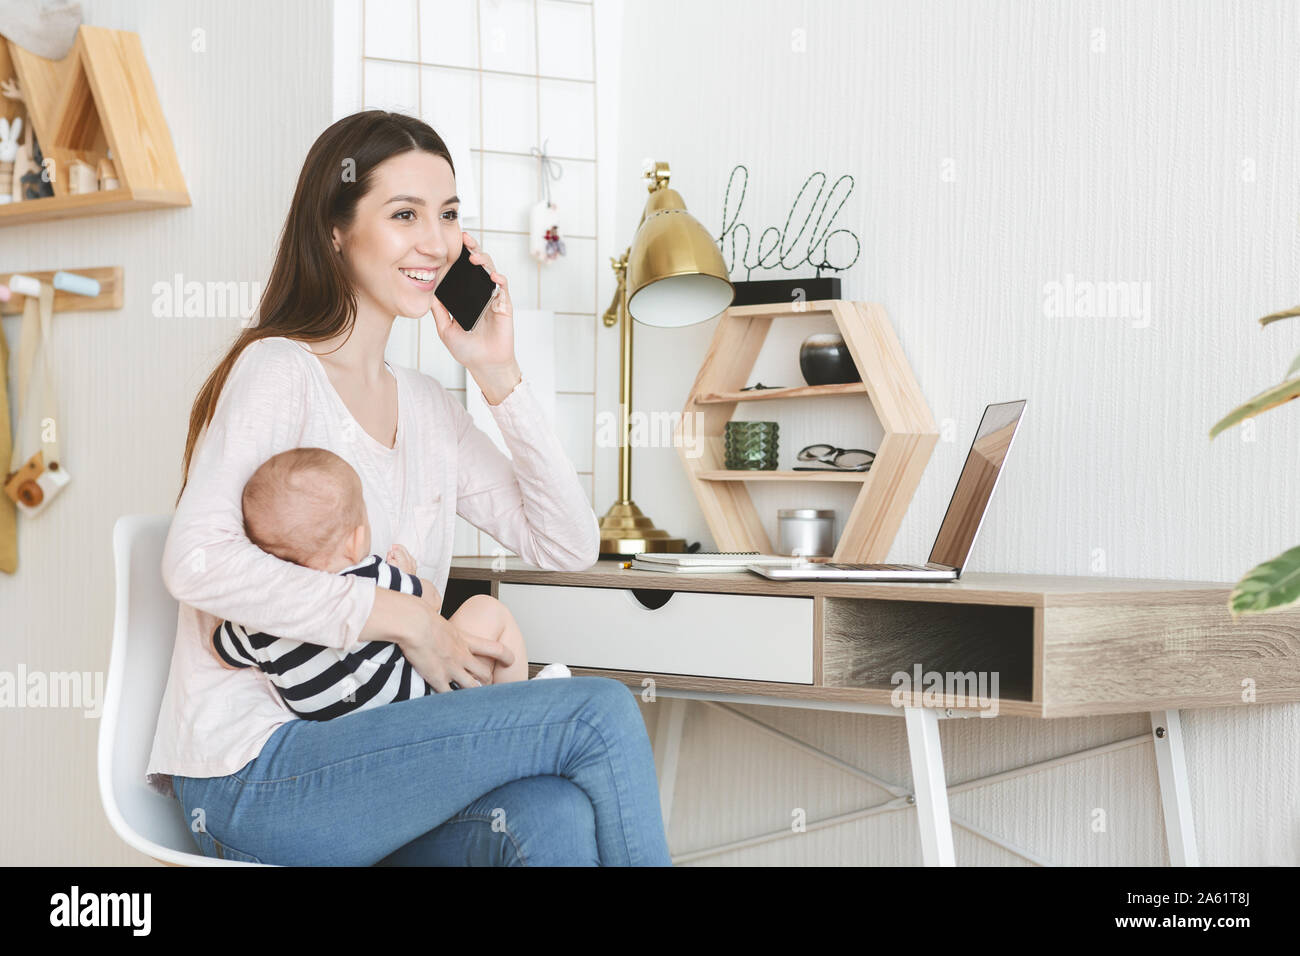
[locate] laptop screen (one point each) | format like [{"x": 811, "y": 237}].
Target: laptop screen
[{"x": 975, "y": 485}]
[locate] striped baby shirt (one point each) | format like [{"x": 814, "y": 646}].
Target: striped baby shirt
[{"x": 318, "y": 682}]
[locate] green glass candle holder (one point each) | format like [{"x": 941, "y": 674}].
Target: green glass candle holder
[{"x": 750, "y": 446}]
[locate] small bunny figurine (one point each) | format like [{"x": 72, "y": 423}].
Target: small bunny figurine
[{"x": 9, "y": 134}]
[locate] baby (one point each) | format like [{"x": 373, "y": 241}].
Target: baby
[{"x": 306, "y": 506}]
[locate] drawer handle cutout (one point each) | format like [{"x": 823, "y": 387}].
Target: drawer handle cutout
[{"x": 652, "y": 599}]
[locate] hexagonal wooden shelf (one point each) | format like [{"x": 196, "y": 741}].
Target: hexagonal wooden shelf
[{"x": 887, "y": 382}]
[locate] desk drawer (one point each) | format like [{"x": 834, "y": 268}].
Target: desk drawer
[{"x": 741, "y": 636}]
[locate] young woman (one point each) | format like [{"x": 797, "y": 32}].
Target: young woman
[{"x": 530, "y": 773}]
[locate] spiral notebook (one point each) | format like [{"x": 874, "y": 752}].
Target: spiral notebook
[{"x": 709, "y": 561}]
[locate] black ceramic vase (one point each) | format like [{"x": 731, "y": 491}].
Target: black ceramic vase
[{"x": 824, "y": 359}]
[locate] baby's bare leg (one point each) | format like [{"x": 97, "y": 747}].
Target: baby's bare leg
[{"x": 484, "y": 616}]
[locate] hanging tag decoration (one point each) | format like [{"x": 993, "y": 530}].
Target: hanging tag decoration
[{"x": 544, "y": 241}]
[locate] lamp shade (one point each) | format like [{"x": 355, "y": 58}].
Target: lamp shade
[{"x": 675, "y": 272}]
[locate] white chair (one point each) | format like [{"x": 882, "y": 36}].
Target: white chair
[{"x": 144, "y": 631}]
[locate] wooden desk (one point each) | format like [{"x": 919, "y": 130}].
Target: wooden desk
[{"x": 1055, "y": 646}]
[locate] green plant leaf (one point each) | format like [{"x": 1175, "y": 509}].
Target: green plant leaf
[
  {"x": 1278, "y": 316},
  {"x": 1268, "y": 586},
  {"x": 1295, "y": 364},
  {"x": 1269, "y": 398}
]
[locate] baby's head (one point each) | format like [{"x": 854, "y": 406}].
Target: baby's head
[{"x": 305, "y": 505}]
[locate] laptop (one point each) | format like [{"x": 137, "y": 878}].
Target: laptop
[{"x": 970, "y": 500}]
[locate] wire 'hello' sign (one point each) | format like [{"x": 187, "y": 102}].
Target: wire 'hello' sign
[{"x": 819, "y": 253}]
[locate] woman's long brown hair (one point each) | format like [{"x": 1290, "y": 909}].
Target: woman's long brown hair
[{"x": 308, "y": 295}]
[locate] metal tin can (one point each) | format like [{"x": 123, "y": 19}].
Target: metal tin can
[{"x": 809, "y": 532}]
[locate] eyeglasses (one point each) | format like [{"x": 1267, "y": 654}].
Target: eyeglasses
[{"x": 844, "y": 459}]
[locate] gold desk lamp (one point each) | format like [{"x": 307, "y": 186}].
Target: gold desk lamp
[{"x": 672, "y": 275}]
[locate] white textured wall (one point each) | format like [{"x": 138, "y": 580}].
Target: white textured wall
[
  {"x": 1160, "y": 150},
  {"x": 242, "y": 116}
]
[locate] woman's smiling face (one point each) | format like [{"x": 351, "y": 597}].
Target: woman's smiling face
[{"x": 409, "y": 220}]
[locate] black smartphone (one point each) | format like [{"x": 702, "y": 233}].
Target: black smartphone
[{"x": 466, "y": 291}]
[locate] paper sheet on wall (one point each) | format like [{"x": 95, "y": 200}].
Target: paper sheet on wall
[
  {"x": 466, "y": 171},
  {"x": 535, "y": 350}
]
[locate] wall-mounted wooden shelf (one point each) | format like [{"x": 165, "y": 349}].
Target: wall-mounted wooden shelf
[
  {"x": 887, "y": 382},
  {"x": 100, "y": 96},
  {"x": 782, "y": 475},
  {"x": 798, "y": 391}
]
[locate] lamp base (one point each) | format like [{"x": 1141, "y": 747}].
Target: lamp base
[{"x": 625, "y": 531}]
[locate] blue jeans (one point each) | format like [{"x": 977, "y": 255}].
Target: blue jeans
[{"x": 537, "y": 773}]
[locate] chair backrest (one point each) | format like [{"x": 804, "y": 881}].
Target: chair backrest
[{"x": 144, "y": 632}]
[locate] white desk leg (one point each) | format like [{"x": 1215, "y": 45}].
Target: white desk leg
[
  {"x": 1175, "y": 795},
  {"x": 668, "y": 744},
  {"x": 929, "y": 785}
]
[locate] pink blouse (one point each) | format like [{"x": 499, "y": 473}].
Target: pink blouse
[{"x": 212, "y": 720}]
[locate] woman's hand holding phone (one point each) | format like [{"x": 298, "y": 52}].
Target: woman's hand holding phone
[{"x": 491, "y": 345}]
